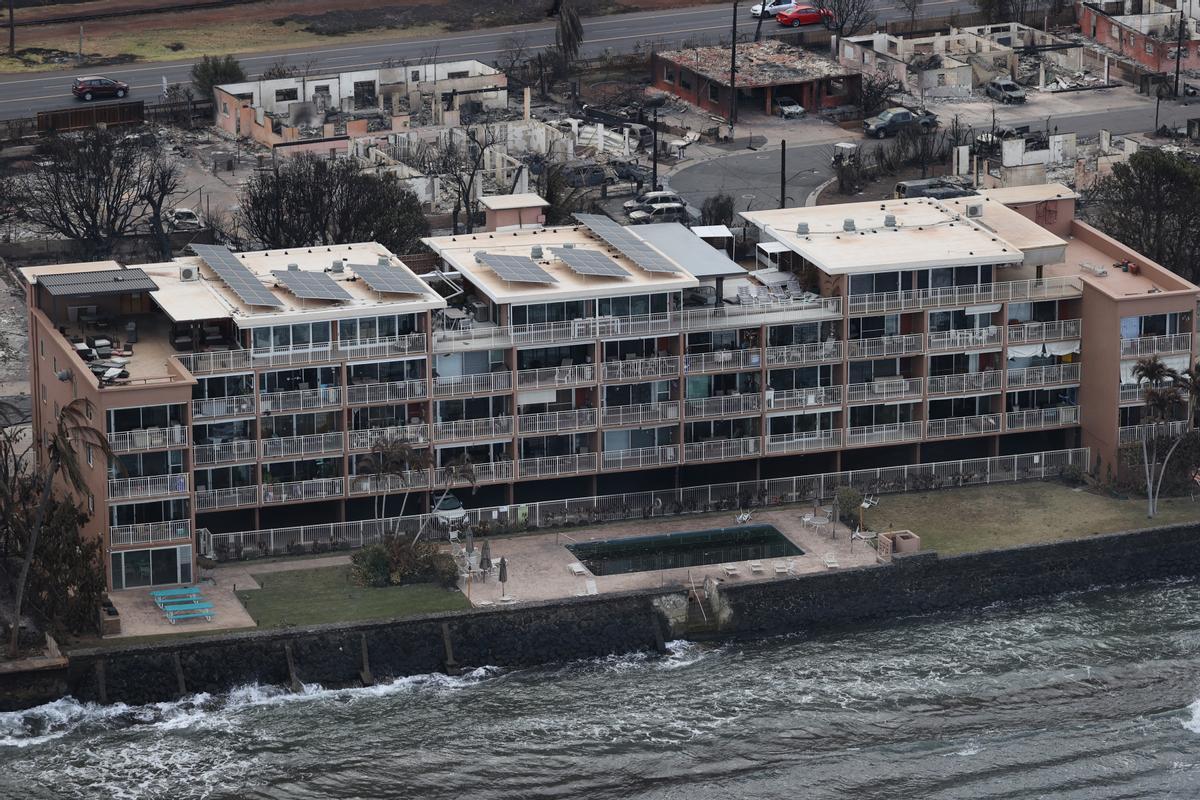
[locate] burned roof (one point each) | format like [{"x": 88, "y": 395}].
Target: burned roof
[
  {"x": 765, "y": 63},
  {"x": 112, "y": 281}
]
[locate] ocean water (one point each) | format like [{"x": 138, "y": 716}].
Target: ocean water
[{"x": 1091, "y": 695}]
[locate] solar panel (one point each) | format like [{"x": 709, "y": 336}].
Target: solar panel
[
  {"x": 388, "y": 279},
  {"x": 515, "y": 268},
  {"x": 311, "y": 285},
  {"x": 629, "y": 245},
  {"x": 244, "y": 283},
  {"x": 591, "y": 262}
]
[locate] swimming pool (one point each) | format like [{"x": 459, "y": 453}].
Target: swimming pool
[{"x": 687, "y": 549}]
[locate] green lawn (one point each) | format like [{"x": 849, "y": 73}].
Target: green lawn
[
  {"x": 986, "y": 517},
  {"x": 314, "y": 596}
]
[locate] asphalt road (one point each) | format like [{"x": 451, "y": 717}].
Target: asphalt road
[{"x": 22, "y": 95}]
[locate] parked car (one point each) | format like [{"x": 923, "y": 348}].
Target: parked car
[
  {"x": 891, "y": 121},
  {"x": 771, "y": 8},
  {"x": 660, "y": 212},
  {"x": 93, "y": 87},
  {"x": 182, "y": 219},
  {"x": 1004, "y": 90},
  {"x": 449, "y": 511},
  {"x": 647, "y": 199},
  {"x": 787, "y": 108},
  {"x": 804, "y": 15},
  {"x": 641, "y": 134},
  {"x": 580, "y": 175},
  {"x": 631, "y": 171}
]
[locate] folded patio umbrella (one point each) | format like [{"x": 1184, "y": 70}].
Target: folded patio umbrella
[
  {"x": 485, "y": 556},
  {"x": 503, "y": 569}
]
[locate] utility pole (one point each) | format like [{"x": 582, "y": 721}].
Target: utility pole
[
  {"x": 783, "y": 173},
  {"x": 12, "y": 32},
  {"x": 1178, "y": 49},
  {"x": 654, "y": 159},
  {"x": 733, "y": 71}
]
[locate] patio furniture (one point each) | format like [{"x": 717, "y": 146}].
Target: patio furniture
[
  {"x": 591, "y": 587},
  {"x": 730, "y": 570},
  {"x": 756, "y": 567},
  {"x": 163, "y": 596},
  {"x": 205, "y": 613},
  {"x": 180, "y": 608},
  {"x": 577, "y": 569},
  {"x": 830, "y": 560}
]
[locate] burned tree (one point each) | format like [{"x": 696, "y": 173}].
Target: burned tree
[
  {"x": 849, "y": 16},
  {"x": 458, "y": 160}
]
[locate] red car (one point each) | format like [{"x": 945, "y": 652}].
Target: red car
[
  {"x": 94, "y": 86},
  {"x": 804, "y": 15}
]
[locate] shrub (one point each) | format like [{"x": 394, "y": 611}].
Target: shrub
[
  {"x": 848, "y": 501},
  {"x": 1071, "y": 475},
  {"x": 443, "y": 570},
  {"x": 371, "y": 566}
]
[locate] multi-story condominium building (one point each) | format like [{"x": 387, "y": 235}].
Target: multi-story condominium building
[{"x": 591, "y": 359}]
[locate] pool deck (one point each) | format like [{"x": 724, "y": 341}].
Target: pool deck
[{"x": 538, "y": 564}]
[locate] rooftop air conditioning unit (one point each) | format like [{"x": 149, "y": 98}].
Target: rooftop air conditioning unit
[
  {"x": 189, "y": 274},
  {"x": 384, "y": 261},
  {"x": 535, "y": 252},
  {"x": 974, "y": 210},
  {"x": 293, "y": 268},
  {"x": 802, "y": 229},
  {"x": 848, "y": 224},
  {"x": 338, "y": 266}
]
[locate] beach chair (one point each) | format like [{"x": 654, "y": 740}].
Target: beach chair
[
  {"x": 730, "y": 570},
  {"x": 831, "y": 561},
  {"x": 591, "y": 587},
  {"x": 781, "y": 568},
  {"x": 756, "y": 567},
  {"x": 577, "y": 569}
]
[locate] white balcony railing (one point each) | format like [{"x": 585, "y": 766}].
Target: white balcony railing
[
  {"x": 225, "y": 453},
  {"x": 296, "y": 491},
  {"x": 482, "y": 428},
  {"x": 151, "y": 532},
  {"x": 883, "y": 389},
  {"x": 966, "y": 338},
  {"x": 481, "y": 383},
  {"x": 301, "y": 400},
  {"x": 724, "y": 406},
  {"x": 554, "y": 466},
  {"x": 149, "y": 439},
  {"x": 640, "y": 413},
  {"x": 722, "y": 449},
  {"x": 811, "y": 397},
  {"x": 387, "y": 346},
  {"x": 389, "y": 482},
  {"x": 214, "y": 499},
  {"x": 1036, "y": 418},
  {"x": 580, "y": 419},
  {"x": 241, "y": 405},
  {"x": 1155, "y": 345},
  {"x": 550, "y": 377},
  {"x": 1031, "y": 332},
  {"x": 965, "y": 383},
  {"x": 313, "y": 444},
  {"x": 916, "y": 299},
  {"x": 641, "y": 457},
  {"x": 804, "y": 442},
  {"x": 1135, "y": 433},
  {"x": 979, "y": 425},
  {"x": 882, "y": 346},
  {"x": 794, "y": 355},
  {"x": 641, "y": 368},
  {"x": 416, "y": 435},
  {"x": 235, "y": 360},
  {"x": 393, "y": 392},
  {"x": 485, "y": 472},
  {"x": 722, "y": 360},
  {"x": 884, "y": 434},
  {"x": 1046, "y": 375},
  {"x": 1132, "y": 393},
  {"x": 147, "y": 486}
]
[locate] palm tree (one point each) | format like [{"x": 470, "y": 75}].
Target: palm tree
[
  {"x": 1163, "y": 398},
  {"x": 394, "y": 456},
  {"x": 568, "y": 36},
  {"x": 72, "y": 428},
  {"x": 1189, "y": 383},
  {"x": 460, "y": 469}
]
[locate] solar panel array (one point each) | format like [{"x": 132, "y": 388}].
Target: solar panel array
[
  {"x": 388, "y": 279},
  {"x": 629, "y": 245},
  {"x": 311, "y": 285},
  {"x": 244, "y": 283},
  {"x": 515, "y": 268},
  {"x": 591, "y": 262}
]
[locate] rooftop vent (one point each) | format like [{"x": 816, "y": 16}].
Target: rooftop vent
[
  {"x": 535, "y": 252},
  {"x": 802, "y": 229},
  {"x": 568, "y": 245},
  {"x": 296, "y": 267},
  {"x": 848, "y": 224},
  {"x": 889, "y": 220},
  {"x": 384, "y": 261}
]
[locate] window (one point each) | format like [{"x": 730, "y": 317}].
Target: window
[
  {"x": 714, "y": 92},
  {"x": 42, "y": 347},
  {"x": 91, "y": 454},
  {"x": 685, "y": 82},
  {"x": 43, "y": 394},
  {"x": 91, "y": 504},
  {"x": 284, "y": 95},
  {"x": 453, "y": 76},
  {"x": 1149, "y": 48},
  {"x": 224, "y": 108},
  {"x": 669, "y": 73},
  {"x": 56, "y": 408},
  {"x": 415, "y": 76},
  {"x": 1113, "y": 33},
  {"x": 56, "y": 363}
]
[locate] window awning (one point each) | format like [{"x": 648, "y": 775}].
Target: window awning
[
  {"x": 1024, "y": 350},
  {"x": 1062, "y": 348},
  {"x": 988, "y": 309}
]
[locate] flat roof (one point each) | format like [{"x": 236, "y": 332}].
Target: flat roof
[
  {"x": 89, "y": 283},
  {"x": 184, "y": 301},
  {"x": 1039, "y": 244},
  {"x": 32, "y": 274},
  {"x": 503, "y": 202},
  {"x": 459, "y": 252},
  {"x": 686, "y": 247},
  {"x": 1036, "y": 193},
  {"x": 712, "y": 231},
  {"x": 766, "y": 63},
  {"x": 925, "y": 234}
]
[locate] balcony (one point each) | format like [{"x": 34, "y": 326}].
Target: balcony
[
  {"x": 483, "y": 428},
  {"x": 313, "y": 444},
  {"x": 811, "y": 397},
  {"x": 950, "y": 427},
  {"x": 217, "y": 499},
  {"x": 798, "y": 355},
  {"x": 240, "y": 406},
  {"x": 640, "y": 413},
  {"x": 1038, "y": 418},
  {"x": 722, "y": 361},
  {"x": 299, "y": 491},
  {"x": 216, "y": 361},
  {"x": 883, "y": 389},
  {"x": 393, "y": 392},
  {"x": 225, "y": 453},
  {"x": 781, "y": 443},
  {"x": 1156, "y": 345},
  {"x": 149, "y": 439},
  {"x": 147, "y": 487},
  {"x": 1033, "y": 332},
  {"x": 641, "y": 368},
  {"x": 302, "y": 400},
  {"x": 724, "y": 406},
  {"x": 884, "y": 346},
  {"x": 387, "y": 346},
  {"x": 884, "y": 434},
  {"x": 580, "y": 419},
  {"x": 966, "y": 339},
  {"x": 965, "y": 383},
  {"x": 917, "y": 299},
  {"x": 1131, "y": 393},
  {"x": 1129, "y": 434},
  {"x": 485, "y": 472},
  {"x": 722, "y": 449},
  {"x": 177, "y": 530},
  {"x": 1048, "y": 375},
  {"x": 389, "y": 482},
  {"x": 556, "y": 377},
  {"x": 555, "y": 466},
  {"x": 640, "y": 457},
  {"x": 481, "y": 383},
  {"x": 414, "y": 434}
]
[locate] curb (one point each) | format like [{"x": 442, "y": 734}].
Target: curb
[{"x": 811, "y": 200}]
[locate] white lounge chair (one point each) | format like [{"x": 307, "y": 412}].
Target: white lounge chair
[
  {"x": 591, "y": 587},
  {"x": 831, "y": 561},
  {"x": 730, "y": 570},
  {"x": 756, "y": 567},
  {"x": 577, "y": 569},
  {"x": 781, "y": 568}
]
